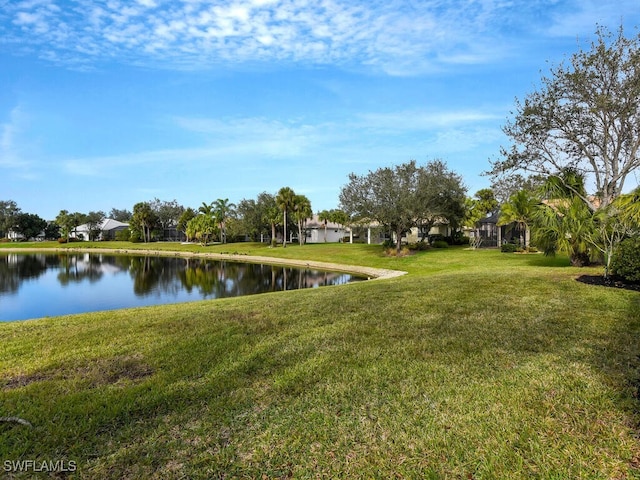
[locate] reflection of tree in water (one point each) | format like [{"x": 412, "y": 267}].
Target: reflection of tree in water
[
  {"x": 154, "y": 274},
  {"x": 75, "y": 268},
  {"x": 164, "y": 275},
  {"x": 15, "y": 268}
]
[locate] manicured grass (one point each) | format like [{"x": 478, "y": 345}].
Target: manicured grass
[{"x": 475, "y": 365}]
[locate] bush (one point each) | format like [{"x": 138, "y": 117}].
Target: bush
[
  {"x": 418, "y": 246},
  {"x": 461, "y": 240},
  {"x": 440, "y": 244},
  {"x": 626, "y": 260},
  {"x": 62, "y": 240},
  {"x": 508, "y": 248},
  {"x": 123, "y": 235},
  {"x": 388, "y": 244}
]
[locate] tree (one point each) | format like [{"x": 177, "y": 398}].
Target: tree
[
  {"x": 253, "y": 215},
  {"x": 8, "y": 211},
  {"x": 52, "y": 231},
  {"x": 340, "y": 217},
  {"x": 94, "y": 221},
  {"x": 628, "y": 206},
  {"x": 207, "y": 208},
  {"x": 564, "y": 221},
  {"x": 324, "y": 216},
  {"x": 404, "y": 196},
  {"x": 441, "y": 194},
  {"x": 222, "y": 210},
  {"x": 201, "y": 227},
  {"x": 483, "y": 203},
  {"x": 167, "y": 213},
  {"x": 284, "y": 200},
  {"x": 273, "y": 215},
  {"x": 64, "y": 220},
  {"x": 144, "y": 219},
  {"x": 28, "y": 225},
  {"x": 506, "y": 186},
  {"x": 123, "y": 215},
  {"x": 520, "y": 210},
  {"x": 301, "y": 211},
  {"x": 586, "y": 117},
  {"x": 184, "y": 219}
]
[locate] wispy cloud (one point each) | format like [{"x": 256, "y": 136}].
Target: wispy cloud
[
  {"x": 397, "y": 36},
  {"x": 11, "y": 151}
]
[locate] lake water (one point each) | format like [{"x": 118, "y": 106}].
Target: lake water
[{"x": 34, "y": 285}]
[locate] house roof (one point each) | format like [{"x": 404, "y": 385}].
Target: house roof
[
  {"x": 492, "y": 217},
  {"x": 314, "y": 222},
  {"x": 106, "y": 225},
  {"x": 110, "y": 224}
]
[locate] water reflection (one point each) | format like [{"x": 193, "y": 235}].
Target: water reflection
[{"x": 136, "y": 280}]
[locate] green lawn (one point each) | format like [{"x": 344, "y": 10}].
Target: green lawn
[{"x": 475, "y": 365}]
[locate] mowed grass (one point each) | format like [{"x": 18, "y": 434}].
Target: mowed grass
[{"x": 476, "y": 364}]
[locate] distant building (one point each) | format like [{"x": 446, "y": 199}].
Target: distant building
[{"x": 106, "y": 230}]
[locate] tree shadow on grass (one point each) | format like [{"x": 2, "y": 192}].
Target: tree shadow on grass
[{"x": 541, "y": 260}]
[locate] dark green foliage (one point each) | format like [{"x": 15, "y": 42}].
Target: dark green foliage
[
  {"x": 123, "y": 235},
  {"x": 508, "y": 248},
  {"x": 388, "y": 244},
  {"x": 418, "y": 246},
  {"x": 440, "y": 244},
  {"x": 626, "y": 260}
]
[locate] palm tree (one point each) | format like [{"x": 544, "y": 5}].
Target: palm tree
[
  {"x": 341, "y": 218},
  {"x": 324, "y": 216},
  {"x": 284, "y": 200},
  {"x": 222, "y": 210},
  {"x": 301, "y": 211},
  {"x": 629, "y": 207},
  {"x": 565, "y": 222},
  {"x": 273, "y": 216},
  {"x": 207, "y": 209},
  {"x": 519, "y": 210}
]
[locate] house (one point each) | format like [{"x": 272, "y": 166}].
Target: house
[
  {"x": 315, "y": 231},
  {"x": 493, "y": 235},
  {"x": 18, "y": 237},
  {"x": 105, "y": 231}
]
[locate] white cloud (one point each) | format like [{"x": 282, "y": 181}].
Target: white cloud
[{"x": 399, "y": 37}]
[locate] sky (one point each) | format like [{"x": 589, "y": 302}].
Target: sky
[{"x": 106, "y": 103}]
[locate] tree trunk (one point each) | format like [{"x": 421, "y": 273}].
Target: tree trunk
[
  {"x": 398, "y": 240},
  {"x": 284, "y": 238}
]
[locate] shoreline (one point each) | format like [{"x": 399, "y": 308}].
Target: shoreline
[{"x": 371, "y": 272}]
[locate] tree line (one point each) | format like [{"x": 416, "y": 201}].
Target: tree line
[{"x": 575, "y": 141}]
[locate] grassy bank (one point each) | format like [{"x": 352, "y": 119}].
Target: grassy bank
[{"x": 475, "y": 365}]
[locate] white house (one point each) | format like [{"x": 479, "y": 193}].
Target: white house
[
  {"x": 107, "y": 230},
  {"x": 315, "y": 231}
]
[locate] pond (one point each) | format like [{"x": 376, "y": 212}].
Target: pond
[{"x": 34, "y": 285}]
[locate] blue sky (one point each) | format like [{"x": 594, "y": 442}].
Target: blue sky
[{"x": 105, "y": 103}]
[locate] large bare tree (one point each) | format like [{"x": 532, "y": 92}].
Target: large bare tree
[{"x": 585, "y": 117}]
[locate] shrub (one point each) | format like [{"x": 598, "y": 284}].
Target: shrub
[
  {"x": 62, "y": 240},
  {"x": 123, "y": 235},
  {"x": 388, "y": 244},
  {"x": 508, "y": 248},
  {"x": 440, "y": 244},
  {"x": 626, "y": 260},
  {"x": 532, "y": 250},
  {"x": 418, "y": 246},
  {"x": 393, "y": 252},
  {"x": 461, "y": 240}
]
